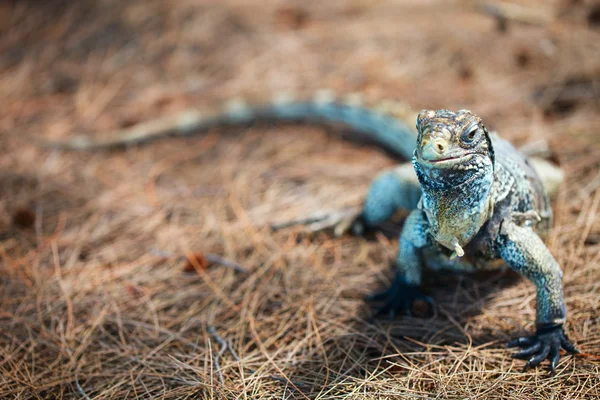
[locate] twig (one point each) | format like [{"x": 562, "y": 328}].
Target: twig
[
  {"x": 513, "y": 12},
  {"x": 78, "y": 385},
  {"x": 592, "y": 185},
  {"x": 228, "y": 346},
  {"x": 222, "y": 350},
  {"x": 213, "y": 258},
  {"x": 588, "y": 356},
  {"x": 264, "y": 351}
]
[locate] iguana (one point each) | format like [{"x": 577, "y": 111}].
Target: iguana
[{"x": 473, "y": 196}]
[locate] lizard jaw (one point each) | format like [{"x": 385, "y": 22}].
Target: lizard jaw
[{"x": 446, "y": 162}]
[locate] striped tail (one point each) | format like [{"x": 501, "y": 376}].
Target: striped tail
[{"x": 385, "y": 124}]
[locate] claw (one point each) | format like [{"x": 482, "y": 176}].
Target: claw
[
  {"x": 528, "y": 351},
  {"x": 389, "y": 311},
  {"x": 538, "y": 358},
  {"x": 567, "y": 345},
  {"x": 545, "y": 344},
  {"x": 341, "y": 221},
  {"x": 391, "y": 314},
  {"x": 554, "y": 357},
  {"x": 357, "y": 227}
]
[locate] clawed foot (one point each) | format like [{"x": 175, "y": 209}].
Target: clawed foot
[
  {"x": 545, "y": 344},
  {"x": 347, "y": 220},
  {"x": 341, "y": 221},
  {"x": 401, "y": 297}
]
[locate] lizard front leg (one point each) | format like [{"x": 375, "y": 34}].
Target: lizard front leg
[
  {"x": 405, "y": 288},
  {"x": 525, "y": 252}
]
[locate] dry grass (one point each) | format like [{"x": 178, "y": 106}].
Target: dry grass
[{"x": 96, "y": 298}]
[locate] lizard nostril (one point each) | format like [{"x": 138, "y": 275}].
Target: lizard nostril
[
  {"x": 440, "y": 146},
  {"x": 434, "y": 148}
]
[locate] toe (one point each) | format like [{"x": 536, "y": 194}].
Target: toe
[
  {"x": 554, "y": 357},
  {"x": 388, "y": 309},
  {"x": 521, "y": 342},
  {"x": 539, "y": 357},
  {"x": 381, "y": 311},
  {"x": 358, "y": 227},
  {"x": 545, "y": 344},
  {"x": 528, "y": 351},
  {"x": 567, "y": 345},
  {"x": 391, "y": 314},
  {"x": 379, "y": 296}
]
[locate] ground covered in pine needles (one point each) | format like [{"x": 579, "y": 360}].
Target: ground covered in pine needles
[{"x": 153, "y": 272}]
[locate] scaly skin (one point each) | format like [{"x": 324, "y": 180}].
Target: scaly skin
[
  {"x": 474, "y": 197},
  {"x": 480, "y": 199},
  {"x": 385, "y": 123}
]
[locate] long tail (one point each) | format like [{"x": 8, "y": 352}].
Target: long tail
[{"x": 385, "y": 124}]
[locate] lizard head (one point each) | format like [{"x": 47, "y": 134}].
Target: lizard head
[{"x": 452, "y": 148}]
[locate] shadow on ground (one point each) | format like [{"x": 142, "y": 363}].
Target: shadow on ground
[{"x": 401, "y": 347}]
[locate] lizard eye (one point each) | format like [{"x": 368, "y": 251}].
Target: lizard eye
[{"x": 470, "y": 134}]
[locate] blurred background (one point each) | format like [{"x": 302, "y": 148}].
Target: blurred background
[{"x": 152, "y": 272}]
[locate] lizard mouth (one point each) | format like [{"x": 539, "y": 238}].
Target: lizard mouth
[{"x": 448, "y": 161}]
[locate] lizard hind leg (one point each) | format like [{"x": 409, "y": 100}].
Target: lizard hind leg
[
  {"x": 393, "y": 189},
  {"x": 550, "y": 174}
]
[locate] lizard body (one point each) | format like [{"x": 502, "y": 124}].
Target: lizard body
[
  {"x": 474, "y": 197},
  {"x": 480, "y": 198}
]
